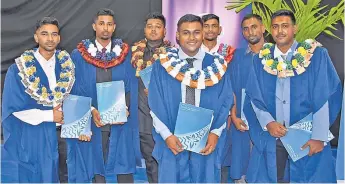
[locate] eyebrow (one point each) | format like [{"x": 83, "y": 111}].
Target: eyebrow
[
  {"x": 47, "y": 32},
  {"x": 152, "y": 24},
  {"x": 211, "y": 24}
]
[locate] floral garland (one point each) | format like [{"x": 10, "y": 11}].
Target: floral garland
[
  {"x": 227, "y": 51},
  {"x": 198, "y": 79},
  {"x": 138, "y": 55},
  {"x": 283, "y": 68},
  {"x": 42, "y": 94},
  {"x": 91, "y": 54}
]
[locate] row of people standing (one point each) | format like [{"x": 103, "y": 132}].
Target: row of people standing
[{"x": 32, "y": 104}]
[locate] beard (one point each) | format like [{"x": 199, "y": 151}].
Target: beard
[
  {"x": 254, "y": 40},
  {"x": 211, "y": 39},
  {"x": 47, "y": 48}
]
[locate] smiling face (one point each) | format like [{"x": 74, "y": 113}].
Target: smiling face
[
  {"x": 47, "y": 37},
  {"x": 211, "y": 29},
  {"x": 104, "y": 27},
  {"x": 190, "y": 36},
  {"x": 252, "y": 30},
  {"x": 283, "y": 30}
]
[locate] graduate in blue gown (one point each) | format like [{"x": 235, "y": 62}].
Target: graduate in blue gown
[
  {"x": 113, "y": 149},
  {"x": 165, "y": 94},
  {"x": 252, "y": 30},
  {"x": 282, "y": 91},
  {"x": 211, "y": 45},
  {"x": 340, "y": 150},
  {"x": 35, "y": 87}
]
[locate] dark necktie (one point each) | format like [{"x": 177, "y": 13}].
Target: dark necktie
[
  {"x": 190, "y": 92},
  {"x": 104, "y": 50}
]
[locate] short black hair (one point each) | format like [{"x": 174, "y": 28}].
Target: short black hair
[
  {"x": 188, "y": 18},
  {"x": 209, "y": 17},
  {"x": 284, "y": 13},
  {"x": 47, "y": 20},
  {"x": 155, "y": 15},
  {"x": 249, "y": 16},
  {"x": 104, "y": 11}
]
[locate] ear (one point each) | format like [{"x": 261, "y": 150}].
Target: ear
[
  {"x": 295, "y": 29},
  {"x": 59, "y": 37},
  {"x": 36, "y": 38},
  {"x": 220, "y": 30},
  {"x": 94, "y": 26},
  {"x": 177, "y": 36},
  {"x": 165, "y": 31},
  {"x": 263, "y": 29},
  {"x": 114, "y": 27}
]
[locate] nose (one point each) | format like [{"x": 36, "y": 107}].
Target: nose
[
  {"x": 280, "y": 29},
  {"x": 251, "y": 31},
  {"x": 50, "y": 37},
  {"x": 192, "y": 37},
  {"x": 105, "y": 28}
]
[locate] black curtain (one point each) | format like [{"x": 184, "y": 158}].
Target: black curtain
[{"x": 75, "y": 17}]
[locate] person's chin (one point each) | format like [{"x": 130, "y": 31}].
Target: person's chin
[
  {"x": 210, "y": 38},
  {"x": 105, "y": 37},
  {"x": 49, "y": 49}
]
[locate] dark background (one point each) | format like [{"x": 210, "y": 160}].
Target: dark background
[{"x": 18, "y": 18}]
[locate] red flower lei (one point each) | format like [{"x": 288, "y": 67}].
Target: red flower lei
[
  {"x": 100, "y": 63},
  {"x": 227, "y": 51}
]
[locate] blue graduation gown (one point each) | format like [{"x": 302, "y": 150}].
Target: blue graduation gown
[
  {"x": 30, "y": 152},
  {"x": 340, "y": 150},
  {"x": 239, "y": 151},
  {"x": 164, "y": 99},
  {"x": 308, "y": 93},
  {"x": 85, "y": 159}
]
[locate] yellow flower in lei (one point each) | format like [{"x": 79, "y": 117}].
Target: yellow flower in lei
[
  {"x": 67, "y": 63},
  {"x": 28, "y": 58},
  {"x": 37, "y": 80},
  {"x": 44, "y": 95},
  {"x": 134, "y": 48},
  {"x": 294, "y": 63},
  {"x": 58, "y": 95},
  {"x": 44, "y": 89},
  {"x": 269, "y": 62},
  {"x": 31, "y": 70},
  {"x": 265, "y": 52},
  {"x": 280, "y": 66},
  {"x": 61, "y": 54},
  {"x": 34, "y": 85},
  {"x": 302, "y": 51}
]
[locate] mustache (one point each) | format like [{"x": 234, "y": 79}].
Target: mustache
[{"x": 279, "y": 35}]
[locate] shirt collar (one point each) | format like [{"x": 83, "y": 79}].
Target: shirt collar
[
  {"x": 199, "y": 56},
  {"x": 214, "y": 49},
  {"x": 100, "y": 47},
  {"x": 249, "y": 50},
  {"x": 42, "y": 60},
  {"x": 278, "y": 52}
]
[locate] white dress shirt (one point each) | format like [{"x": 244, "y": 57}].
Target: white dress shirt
[
  {"x": 99, "y": 48},
  {"x": 37, "y": 116},
  {"x": 159, "y": 126},
  {"x": 210, "y": 51}
]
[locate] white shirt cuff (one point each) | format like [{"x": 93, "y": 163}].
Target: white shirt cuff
[{"x": 219, "y": 131}]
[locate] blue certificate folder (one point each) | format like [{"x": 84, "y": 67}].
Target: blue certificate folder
[
  {"x": 298, "y": 134},
  {"x": 111, "y": 102},
  {"x": 77, "y": 116},
  {"x": 193, "y": 126},
  {"x": 145, "y": 75}
]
